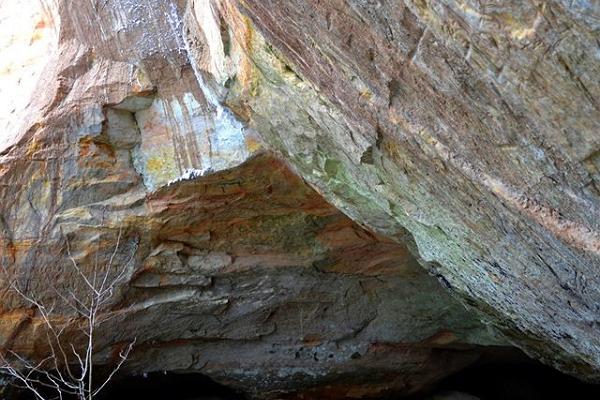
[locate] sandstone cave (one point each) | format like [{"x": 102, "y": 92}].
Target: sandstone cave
[{"x": 299, "y": 199}]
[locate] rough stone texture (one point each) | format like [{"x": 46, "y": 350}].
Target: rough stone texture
[
  {"x": 235, "y": 267},
  {"x": 474, "y": 125},
  {"x": 268, "y": 300},
  {"x": 462, "y": 133}
]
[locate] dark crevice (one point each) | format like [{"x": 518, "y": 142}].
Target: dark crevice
[
  {"x": 161, "y": 386},
  {"x": 500, "y": 374},
  {"x": 154, "y": 386},
  {"x": 512, "y": 378}
]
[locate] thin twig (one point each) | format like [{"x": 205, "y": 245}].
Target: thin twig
[{"x": 99, "y": 289}]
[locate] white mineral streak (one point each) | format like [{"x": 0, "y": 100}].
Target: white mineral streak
[
  {"x": 182, "y": 136},
  {"x": 191, "y": 174},
  {"x": 228, "y": 144}
]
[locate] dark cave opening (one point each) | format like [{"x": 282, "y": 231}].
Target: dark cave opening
[
  {"x": 162, "y": 386},
  {"x": 151, "y": 386},
  {"x": 497, "y": 380},
  {"x": 524, "y": 379},
  {"x": 509, "y": 379}
]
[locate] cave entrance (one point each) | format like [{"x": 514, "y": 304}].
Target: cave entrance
[
  {"x": 168, "y": 385},
  {"x": 503, "y": 376},
  {"x": 516, "y": 377},
  {"x": 152, "y": 386}
]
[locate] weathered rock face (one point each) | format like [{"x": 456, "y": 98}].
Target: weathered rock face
[
  {"x": 235, "y": 267},
  {"x": 466, "y": 133},
  {"x": 249, "y": 277},
  {"x": 474, "y": 125}
]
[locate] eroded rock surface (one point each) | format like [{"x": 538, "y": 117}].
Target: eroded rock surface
[
  {"x": 235, "y": 267},
  {"x": 457, "y": 135},
  {"x": 474, "y": 125}
]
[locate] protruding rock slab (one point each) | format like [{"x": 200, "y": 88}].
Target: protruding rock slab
[
  {"x": 235, "y": 267},
  {"x": 467, "y": 132},
  {"x": 473, "y": 125}
]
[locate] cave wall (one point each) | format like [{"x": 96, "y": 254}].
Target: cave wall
[
  {"x": 473, "y": 125},
  {"x": 321, "y": 187}
]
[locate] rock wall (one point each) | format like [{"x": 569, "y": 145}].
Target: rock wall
[
  {"x": 278, "y": 170},
  {"x": 474, "y": 125}
]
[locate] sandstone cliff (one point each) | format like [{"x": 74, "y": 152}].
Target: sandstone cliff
[{"x": 344, "y": 196}]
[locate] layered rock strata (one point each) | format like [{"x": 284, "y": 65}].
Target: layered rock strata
[{"x": 458, "y": 135}]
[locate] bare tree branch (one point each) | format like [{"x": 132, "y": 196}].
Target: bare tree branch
[{"x": 69, "y": 369}]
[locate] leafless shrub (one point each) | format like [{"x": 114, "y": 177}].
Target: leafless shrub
[{"x": 68, "y": 369}]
